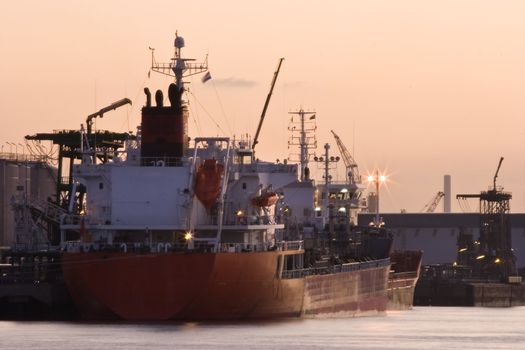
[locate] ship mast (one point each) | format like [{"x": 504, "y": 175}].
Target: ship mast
[
  {"x": 302, "y": 126},
  {"x": 179, "y": 67}
]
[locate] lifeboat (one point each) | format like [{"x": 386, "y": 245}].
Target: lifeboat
[
  {"x": 265, "y": 200},
  {"x": 208, "y": 182}
]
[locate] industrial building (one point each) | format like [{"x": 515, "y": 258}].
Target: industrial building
[{"x": 437, "y": 233}]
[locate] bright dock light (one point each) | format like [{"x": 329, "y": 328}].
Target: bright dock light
[{"x": 188, "y": 236}]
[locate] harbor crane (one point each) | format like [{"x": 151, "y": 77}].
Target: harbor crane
[
  {"x": 352, "y": 171},
  {"x": 430, "y": 207},
  {"x": 266, "y": 103},
  {"x": 493, "y": 256}
]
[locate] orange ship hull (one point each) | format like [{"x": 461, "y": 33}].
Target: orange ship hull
[{"x": 213, "y": 286}]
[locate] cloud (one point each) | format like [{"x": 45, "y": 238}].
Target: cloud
[
  {"x": 234, "y": 82},
  {"x": 295, "y": 84}
]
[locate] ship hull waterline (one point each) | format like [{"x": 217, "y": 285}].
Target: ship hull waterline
[{"x": 214, "y": 286}]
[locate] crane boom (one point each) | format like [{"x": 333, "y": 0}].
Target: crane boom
[
  {"x": 114, "y": 105},
  {"x": 352, "y": 171},
  {"x": 430, "y": 207},
  {"x": 266, "y": 103},
  {"x": 497, "y": 171}
]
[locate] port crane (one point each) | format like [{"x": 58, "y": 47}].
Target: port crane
[
  {"x": 352, "y": 171},
  {"x": 493, "y": 255},
  {"x": 430, "y": 207}
]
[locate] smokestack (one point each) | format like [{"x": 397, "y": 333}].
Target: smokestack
[{"x": 448, "y": 192}]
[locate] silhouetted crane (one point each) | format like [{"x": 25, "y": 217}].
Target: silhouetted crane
[
  {"x": 352, "y": 171},
  {"x": 266, "y": 103},
  {"x": 430, "y": 207}
]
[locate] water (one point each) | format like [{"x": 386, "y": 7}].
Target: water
[{"x": 421, "y": 328}]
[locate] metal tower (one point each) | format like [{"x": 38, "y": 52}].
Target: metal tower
[
  {"x": 303, "y": 126},
  {"x": 494, "y": 255},
  {"x": 178, "y": 67}
]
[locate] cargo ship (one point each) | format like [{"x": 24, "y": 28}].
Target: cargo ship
[
  {"x": 168, "y": 229},
  {"x": 404, "y": 274}
]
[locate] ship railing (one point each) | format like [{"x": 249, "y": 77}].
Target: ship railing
[
  {"x": 325, "y": 270},
  {"x": 290, "y": 245},
  {"x": 243, "y": 220},
  {"x": 166, "y": 247},
  {"x": 272, "y": 168},
  {"x": 404, "y": 275},
  {"x": 136, "y": 247},
  {"x": 246, "y": 247}
]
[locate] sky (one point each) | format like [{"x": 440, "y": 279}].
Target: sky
[{"x": 416, "y": 89}]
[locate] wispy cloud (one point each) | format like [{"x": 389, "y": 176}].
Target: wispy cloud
[
  {"x": 234, "y": 82},
  {"x": 295, "y": 84}
]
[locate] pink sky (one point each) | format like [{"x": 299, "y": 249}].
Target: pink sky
[{"x": 427, "y": 87}]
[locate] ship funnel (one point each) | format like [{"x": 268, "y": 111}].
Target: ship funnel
[
  {"x": 164, "y": 129},
  {"x": 148, "y": 97},
  {"x": 159, "y": 98}
]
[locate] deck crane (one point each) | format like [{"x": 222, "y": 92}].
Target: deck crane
[
  {"x": 266, "y": 103},
  {"x": 352, "y": 171},
  {"x": 100, "y": 113},
  {"x": 430, "y": 207}
]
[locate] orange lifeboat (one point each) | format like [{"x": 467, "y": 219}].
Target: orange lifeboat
[
  {"x": 208, "y": 182},
  {"x": 265, "y": 200}
]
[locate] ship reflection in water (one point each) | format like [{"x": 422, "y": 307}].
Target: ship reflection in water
[{"x": 431, "y": 328}]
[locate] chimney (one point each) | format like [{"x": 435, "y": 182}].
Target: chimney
[{"x": 447, "y": 190}]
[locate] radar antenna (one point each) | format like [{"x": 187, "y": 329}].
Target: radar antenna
[{"x": 178, "y": 67}]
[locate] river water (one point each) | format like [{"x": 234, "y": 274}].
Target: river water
[{"x": 421, "y": 328}]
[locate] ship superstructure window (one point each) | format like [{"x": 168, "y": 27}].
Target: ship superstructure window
[
  {"x": 100, "y": 185},
  {"x": 244, "y": 185}
]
